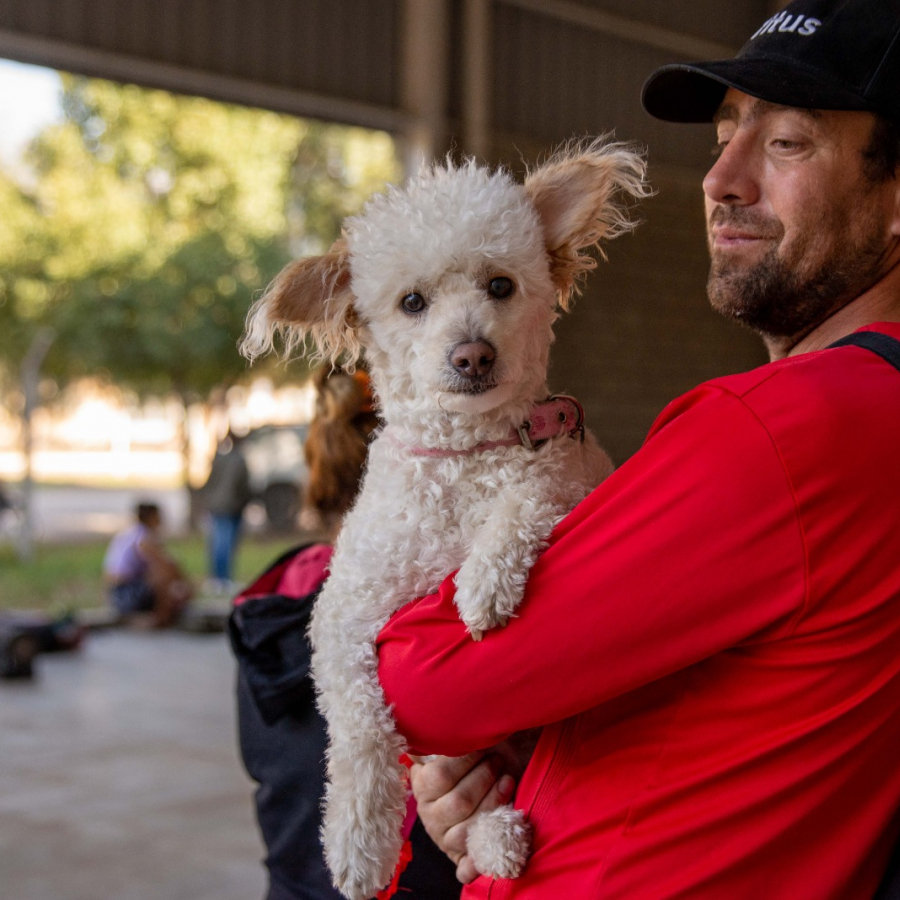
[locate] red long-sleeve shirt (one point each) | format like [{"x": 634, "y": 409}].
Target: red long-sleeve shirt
[{"x": 713, "y": 640}]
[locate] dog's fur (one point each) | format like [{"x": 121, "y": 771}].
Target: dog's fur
[{"x": 486, "y": 512}]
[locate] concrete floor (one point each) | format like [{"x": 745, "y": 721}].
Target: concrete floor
[{"x": 119, "y": 775}]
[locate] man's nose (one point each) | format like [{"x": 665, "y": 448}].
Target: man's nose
[{"x": 733, "y": 180}]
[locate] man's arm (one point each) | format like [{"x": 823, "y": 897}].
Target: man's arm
[{"x": 692, "y": 547}]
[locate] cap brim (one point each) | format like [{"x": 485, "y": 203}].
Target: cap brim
[{"x": 692, "y": 92}]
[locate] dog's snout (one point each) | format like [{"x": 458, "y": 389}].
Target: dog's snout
[{"x": 473, "y": 359}]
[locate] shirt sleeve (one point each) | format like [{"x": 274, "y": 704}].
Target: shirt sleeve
[{"x": 692, "y": 547}]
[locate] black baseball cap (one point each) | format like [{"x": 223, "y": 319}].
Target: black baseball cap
[{"x": 814, "y": 54}]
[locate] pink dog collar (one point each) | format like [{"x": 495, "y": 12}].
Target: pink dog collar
[{"x": 557, "y": 416}]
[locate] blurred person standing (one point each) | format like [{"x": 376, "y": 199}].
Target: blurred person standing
[
  {"x": 225, "y": 496},
  {"x": 282, "y": 735},
  {"x": 140, "y": 574}
]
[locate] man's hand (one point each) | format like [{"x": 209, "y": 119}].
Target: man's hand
[{"x": 449, "y": 792}]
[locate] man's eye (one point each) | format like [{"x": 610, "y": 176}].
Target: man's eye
[
  {"x": 413, "y": 303},
  {"x": 501, "y": 287},
  {"x": 718, "y": 148}
]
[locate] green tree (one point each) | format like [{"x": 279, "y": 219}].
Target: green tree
[
  {"x": 165, "y": 214},
  {"x": 144, "y": 226},
  {"x": 149, "y": 220}
]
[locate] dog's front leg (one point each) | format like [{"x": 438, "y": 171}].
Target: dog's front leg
[
  {"x": 365, "y": 799},
  {"x": 365, "y": 803},
  {"x": 491, "y": 580}
]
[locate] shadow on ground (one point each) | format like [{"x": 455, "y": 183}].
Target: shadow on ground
[{"x": 119, "y": 775}]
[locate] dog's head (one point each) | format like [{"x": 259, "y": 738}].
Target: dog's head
[{"x": 451, "y": 284}]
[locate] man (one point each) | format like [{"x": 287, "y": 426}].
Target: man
[
  {"x": 711, "y": 640},
  {"x": 226, "y": 495}
]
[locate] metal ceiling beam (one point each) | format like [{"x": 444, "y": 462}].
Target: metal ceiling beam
[
  {"x": 476, "y": 77},
  {"x": 425, "y": 80},
  {"x": 626, "y": 29},
  {"x": 130, "y": 69}
]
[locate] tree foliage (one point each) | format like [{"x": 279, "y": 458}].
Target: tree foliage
[{"x": 148, "y": 220}]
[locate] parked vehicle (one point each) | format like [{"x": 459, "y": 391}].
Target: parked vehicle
[{"x": 278, "y": 471}]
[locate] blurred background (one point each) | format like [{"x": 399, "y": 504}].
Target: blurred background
[{"x": 160, "y": 161}]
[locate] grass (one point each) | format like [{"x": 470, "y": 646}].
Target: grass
[{"x": 68, "y": 577}]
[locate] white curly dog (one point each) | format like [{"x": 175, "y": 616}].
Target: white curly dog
[{"x": 450, "y": 287}]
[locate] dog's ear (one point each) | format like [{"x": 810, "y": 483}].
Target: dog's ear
[
  {"x": 578, "y": 196},
  {"x": 309, "y": 298}
]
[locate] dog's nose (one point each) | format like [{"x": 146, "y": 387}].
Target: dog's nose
[{"x": 474, "y": 359}]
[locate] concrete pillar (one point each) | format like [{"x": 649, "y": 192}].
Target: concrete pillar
[
  {"x": 476, "y": 78},
  {"x": 425, "y": 62}
]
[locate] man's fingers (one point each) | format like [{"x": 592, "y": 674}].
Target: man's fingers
[
  {"x": 499, "y": 794},
  {"x": 466, "y": 873},
  {"x": 448, "y": 792},
  {"x": 435, "y": 778},
  {"x": 455, "y": 801},
  {"x": 454, "y": 838}
]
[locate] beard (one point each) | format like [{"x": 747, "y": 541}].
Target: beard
[{"x": 787, "y": 295}]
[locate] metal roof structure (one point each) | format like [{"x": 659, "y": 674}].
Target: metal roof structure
[{"x": 461, "y": 71}]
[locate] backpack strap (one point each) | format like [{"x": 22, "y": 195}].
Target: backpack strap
[
  {"x": 884, "y": 345},
  {"x": 888, "y": 349}
]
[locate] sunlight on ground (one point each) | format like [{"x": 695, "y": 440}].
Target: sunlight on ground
[
  {"x": 148, "y": 467},
  {"x": 98, "y": 435}
]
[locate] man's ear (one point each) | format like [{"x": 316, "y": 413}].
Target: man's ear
[
  {"x": 311, "y": 297},
  {"x": 577, "y": 197}
]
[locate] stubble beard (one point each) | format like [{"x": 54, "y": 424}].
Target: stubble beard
[{"x": 787, "y": 297}]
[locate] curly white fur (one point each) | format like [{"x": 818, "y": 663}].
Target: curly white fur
[
  {"x": 498, "y": 842},
  {"x": 488, "y": 513}
]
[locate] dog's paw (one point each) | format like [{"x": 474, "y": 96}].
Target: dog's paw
[
  {"x": 352, "y": 886},
  {"x": 356, "y": 874},
  {"x": 499, "y": 842},
  {"x": 486, "y": 599},
  {"x": 361, "y": 832},
  {"x": 478, "y": 614}
]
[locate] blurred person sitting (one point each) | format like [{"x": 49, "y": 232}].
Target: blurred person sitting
[
  {"x": 282, "y": 735},
  {"x": 141, "y": 576},
  {"x": 225, "y": 496}
]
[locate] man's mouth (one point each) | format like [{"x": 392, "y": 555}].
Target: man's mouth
[
  {"x": 738, "y": 229},
  {"x": 724, "y": 237}
]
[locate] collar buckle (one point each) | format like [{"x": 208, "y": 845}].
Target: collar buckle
[{"x": 524, "y": 436}]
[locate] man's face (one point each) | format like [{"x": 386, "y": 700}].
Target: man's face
[{"x": 796, "y": 229}]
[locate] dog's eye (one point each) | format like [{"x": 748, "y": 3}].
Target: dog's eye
[
  {"x": 501, "y": 287},
  {"x": 413, "y": 302}
]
